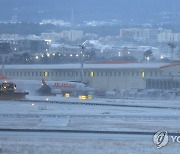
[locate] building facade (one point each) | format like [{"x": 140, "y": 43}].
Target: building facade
[{"x": 103, "y": 76}]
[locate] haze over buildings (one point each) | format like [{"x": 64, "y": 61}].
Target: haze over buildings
[{"x": 136, "y": 11}]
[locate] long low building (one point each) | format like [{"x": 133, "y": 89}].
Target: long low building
[{"x": 103, "y": 76}]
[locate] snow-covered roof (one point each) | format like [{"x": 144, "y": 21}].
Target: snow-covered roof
[{"x": 91, "y": 66}]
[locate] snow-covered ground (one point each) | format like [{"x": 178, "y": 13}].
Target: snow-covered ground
[
  {"x": 81, "y": 144},
  {"x": 37, "y": 115}
]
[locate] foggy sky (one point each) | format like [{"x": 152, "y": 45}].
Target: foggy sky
[{"x": 36, "y": 10}]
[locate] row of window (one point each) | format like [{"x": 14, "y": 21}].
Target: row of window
[{"x": 92, "y": 74}]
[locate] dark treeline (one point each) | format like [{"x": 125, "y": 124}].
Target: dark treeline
[{"x": 26, "y": 28}]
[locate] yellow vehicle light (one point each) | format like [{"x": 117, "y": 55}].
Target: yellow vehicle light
[
  {"x": 82, "y": 97},
  {"x": 67, "y": 95}
]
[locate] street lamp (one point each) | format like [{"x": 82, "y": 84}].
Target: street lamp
[
  {"x": 82, "y": 47},
  {"x": 172, "y": 47}
]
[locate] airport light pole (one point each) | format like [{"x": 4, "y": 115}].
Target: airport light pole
[
  {"x": 82, "y": 47},
  {"x": 172, "y": 46}
]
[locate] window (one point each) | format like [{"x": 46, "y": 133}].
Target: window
[
  {"x": 151, "y": 74},
  {"x": 24, "y": 73},
  {"x": 142, "y": 74},
  {"x": 36, "y": 73},
  {"x": 119, "y": 73},
  {"x": 110, "y": 73},
  {"x": 155, "y": 73},
  {"x": 76, "y": 73},
  {"x": 46, "y": 74},
  {"x": 132, "y": 73},
  {"x": 101, "y": 73},
  {"x": 32, "y": 73},
  {"x": 114, "y": 73},
  {"x": 92, "y": 74},
  {"x": 97, "y": 73},
  {"x": 137, "y": 73}
]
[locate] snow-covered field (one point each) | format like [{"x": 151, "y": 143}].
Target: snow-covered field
[{"x": 37, "y": 115}]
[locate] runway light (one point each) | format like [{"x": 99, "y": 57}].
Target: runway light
[
  {"x": 47, "y": 99},
  {"x": 37, "y": 57},
  {"x": 32, "y": 104},
  {"x": 67, "y": 95}
]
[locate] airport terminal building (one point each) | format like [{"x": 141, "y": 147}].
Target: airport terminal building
[{"x": 123, "y": 76}]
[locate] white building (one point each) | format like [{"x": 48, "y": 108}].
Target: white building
[
  {"x": 119, "y": 77},
  {"x": 168, "y": 37},
  {"x": 72, "y": 35}
]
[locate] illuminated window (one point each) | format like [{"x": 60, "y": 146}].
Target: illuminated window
[
  {"x": 143, "y": 74},
  {"x": 45, "y": 73},
  {"x": 91, "y": 74}
]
